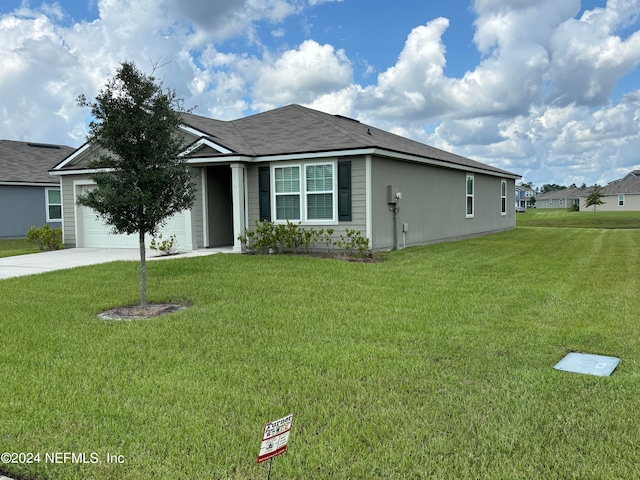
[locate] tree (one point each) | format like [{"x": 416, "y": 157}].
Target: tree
[
  {"x": 141, "y": 178},
  {"x": 594, "y": 199}
]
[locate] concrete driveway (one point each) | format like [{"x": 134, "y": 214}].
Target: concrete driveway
[{"x": 77, "y": 257}]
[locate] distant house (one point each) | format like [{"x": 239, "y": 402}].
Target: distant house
[
  {"x": 525, "y": 196},
  {"x": 564, "y": 198},
  {"x": 620, "y": 195},
  {"x": 28, "y": 194},
  {"x": 321, "y": 170}
]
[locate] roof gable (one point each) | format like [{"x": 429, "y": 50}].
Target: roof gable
[{"x": 28, "y": 162}]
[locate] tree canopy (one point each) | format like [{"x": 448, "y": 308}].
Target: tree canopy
[{"x": 594, "y": 199}]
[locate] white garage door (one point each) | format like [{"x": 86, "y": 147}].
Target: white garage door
[{"x": 93, "y": 232}]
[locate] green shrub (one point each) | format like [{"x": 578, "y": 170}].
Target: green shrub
[
  {"x": 45, "y": 237},
  {"x": 166, "y": 247},
  {"x": 268, "y": 237},
  {"x": 354, "y": 243}
]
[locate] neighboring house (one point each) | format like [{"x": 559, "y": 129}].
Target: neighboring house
[
  {"x": 322, "y": 170},
  {"x": 620, "y": 195},
  {"x": 564, "y": 198},
  {"x": 525, "y": 196},
  {"x": 28, "y": 194}
]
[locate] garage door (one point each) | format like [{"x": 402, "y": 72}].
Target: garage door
[{"x": 94, "y": 233}]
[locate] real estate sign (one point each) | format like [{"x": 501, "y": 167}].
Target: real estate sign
[{"x": 275, "y": 438}]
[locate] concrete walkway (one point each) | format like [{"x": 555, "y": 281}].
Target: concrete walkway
[{"x": 77, "y": 257}]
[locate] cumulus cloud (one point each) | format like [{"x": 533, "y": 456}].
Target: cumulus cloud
[
  {"x": 539, "y": 101},
  {"x": 301, "y": 75}
]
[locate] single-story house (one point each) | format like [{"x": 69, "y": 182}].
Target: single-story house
[
  {"x": 620, "y": 195},
  {"x": 298, "y": 164},
  {"x": 28, "y": 194},
  {"x": 564, "y": 198}
]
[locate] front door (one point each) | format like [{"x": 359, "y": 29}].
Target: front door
[{"x": 219, "y": 206}]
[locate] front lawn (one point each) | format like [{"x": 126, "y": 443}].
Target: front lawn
[
  {"x": 9, "y": 248},
  {"x": 436, "y": 363}
]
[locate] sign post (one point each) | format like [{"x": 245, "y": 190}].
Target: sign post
[{"x": 274, "y": 439}]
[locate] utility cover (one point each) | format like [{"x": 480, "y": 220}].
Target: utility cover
[{"x": 588, "y": 364}]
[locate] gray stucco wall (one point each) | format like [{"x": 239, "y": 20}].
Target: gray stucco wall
[
  {"x": 22, "y": 208},
  {"x": 433, "y": 204}
]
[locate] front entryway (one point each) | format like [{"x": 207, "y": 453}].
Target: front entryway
[{"x": 219, "y": 206}]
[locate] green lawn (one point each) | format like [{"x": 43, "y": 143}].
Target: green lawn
[
  {"x": 9, "y": 248},
  {"x": 561, "y": 217},
  {"x": 436, "y": 363}
]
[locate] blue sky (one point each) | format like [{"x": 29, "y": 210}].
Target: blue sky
[{"x": 547, "y": 89}]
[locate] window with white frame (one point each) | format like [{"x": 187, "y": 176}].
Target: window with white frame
[
  {"x": 306, "y": 193},
  {"x": 469, "y": 195},
  {"x": 621, "y": 200},
  {"x": 54, "y": 204},
  {"x": 503, "y": 197},
  {"x": 319, "y": 191}
]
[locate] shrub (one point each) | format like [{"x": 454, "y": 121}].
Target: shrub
[
  {"x": 45, "y": 237},
  {"x": 354, "y": 243},
  {"x": 268, "y": 237},
  {"x": 165, "y": 247}
]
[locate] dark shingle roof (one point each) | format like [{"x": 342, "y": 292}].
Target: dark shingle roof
[
  {"x": 26, "y": 162},
  {"x": 296, "y": 129},
  {"x": 627, "y": 185},
  {"x": 564, "y": 193}
]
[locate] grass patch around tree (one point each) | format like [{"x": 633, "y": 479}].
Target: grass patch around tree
[{"x": 436, "y": 363}]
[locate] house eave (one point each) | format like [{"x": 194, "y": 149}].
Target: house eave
[
  {"x": 235, "y": 158},
  {"x": 28, "y": 184},
  {"x": 343, "y": 153},
  {"x": 79, "y": 171}
]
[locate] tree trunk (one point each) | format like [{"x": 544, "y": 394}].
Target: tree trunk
[{"x": 143, "y": 272}]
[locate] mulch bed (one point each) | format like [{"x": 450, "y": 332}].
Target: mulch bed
[{"x": 136, "y": 312}]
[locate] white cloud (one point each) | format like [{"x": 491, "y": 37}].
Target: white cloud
[
  {"x": 539, "y": 102},
  {"x": 301, "y": 75}
]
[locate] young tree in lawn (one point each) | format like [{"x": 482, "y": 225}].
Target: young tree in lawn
[
  {"x": 141, "y": 179},
  {"x": 594, "y": 199}
]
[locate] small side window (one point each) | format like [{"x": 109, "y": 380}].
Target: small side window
[{"x": 54, "y": 205}]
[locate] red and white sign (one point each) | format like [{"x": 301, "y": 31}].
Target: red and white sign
[{"x": 275, "y": 438}]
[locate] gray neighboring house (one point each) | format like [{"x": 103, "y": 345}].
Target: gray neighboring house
[
  {"x": 562, "y": 198},
  {"x": 28, "y": 194},
  {"x": 298, "y": 164},
  {"x": 620, "y": 195}
]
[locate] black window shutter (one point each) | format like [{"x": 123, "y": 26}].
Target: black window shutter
[
  {"x": 264, "y": 197},
  {"x": 344, "y": 191}
]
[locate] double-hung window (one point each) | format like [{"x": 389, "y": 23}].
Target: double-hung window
[
  {"x": 503, "y": 197},
  {"x": 621, "y": 200},
  {"x": 305, "y": 192},
  {"x": 287, "y": 192},
  {"x": 319, "y": 192},
  {"x": 469, "y": 195},
  {"x": 54, "y": 205}
]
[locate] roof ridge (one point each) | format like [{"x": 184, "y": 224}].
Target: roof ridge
[
  {"x": 322, "y": 116},
  {"x": 241, "y": 135}
]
